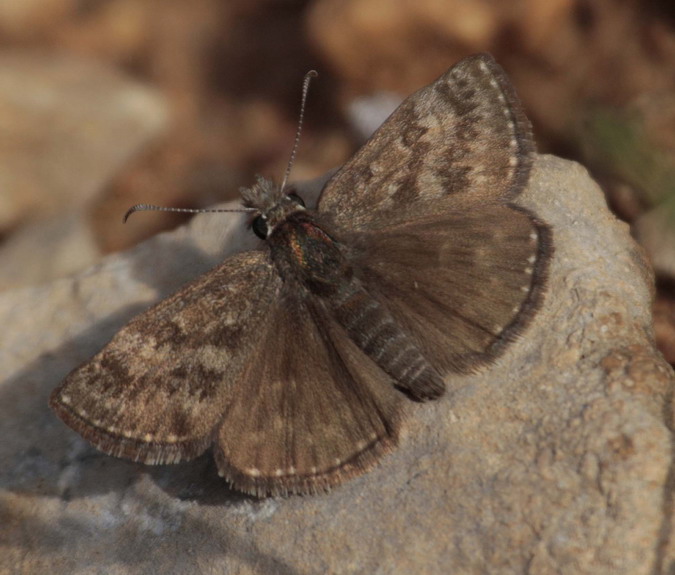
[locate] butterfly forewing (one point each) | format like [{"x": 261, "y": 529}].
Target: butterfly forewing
[
  {"x": 157, "y": 391},
  {"x": 464, "y": 136},
  {"x": 424, "y": 207}
]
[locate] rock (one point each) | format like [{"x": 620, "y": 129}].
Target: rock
[
  {"x": 397, "y": 46},
  {"x": 656, "y": 233},
  {"x": 30, "y": 19},
  {"x": 72, "y": 124},
  {"x": 664, "y": 326},
  {"x": 554, "y": 460},
  {"x": 47, "y": 248},
  {"x": 655, "y": 230},
  {"x": 367, "y": 113}
]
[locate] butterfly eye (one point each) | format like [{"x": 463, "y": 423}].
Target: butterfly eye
[
  {"x": 259, "y": 226},
  {"x": 296, "y": 198}
]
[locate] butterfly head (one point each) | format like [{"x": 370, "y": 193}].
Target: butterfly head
[{"x": 271, "y": 205}]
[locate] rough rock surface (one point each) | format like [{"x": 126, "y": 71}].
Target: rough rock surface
[{"x": 557, "y": 459}]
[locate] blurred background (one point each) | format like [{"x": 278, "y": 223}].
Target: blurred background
[{"x": 108, "y": 103}]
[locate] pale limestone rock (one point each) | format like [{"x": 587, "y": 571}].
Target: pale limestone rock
[{"x": 557, "y": 459}]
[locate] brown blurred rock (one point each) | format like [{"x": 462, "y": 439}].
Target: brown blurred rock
[
  {"x": 116, "y": 31},
  {"x": 664, "y": 324},
  {"x": 655, "y": 230},
  {"x": 392, "y": 46},
  {"x": 562, "y": 55},
  {"x": 554, "y": 460},
  {"x": 27, "y": 19},
  {"x": 67, "y": 125}
]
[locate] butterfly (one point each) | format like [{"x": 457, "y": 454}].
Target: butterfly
[{"x": 298, "y": 362}]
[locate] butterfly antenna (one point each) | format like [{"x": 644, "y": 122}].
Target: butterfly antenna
[
  {"x": 305, "y": 88},
  {"x": 153, "y": 208}
]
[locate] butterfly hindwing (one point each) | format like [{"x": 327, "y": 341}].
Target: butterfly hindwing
[
  {"x": 478, "y": 279},
  {"x": 156, "y": 392},
  {"x": 323, "y": 411}
]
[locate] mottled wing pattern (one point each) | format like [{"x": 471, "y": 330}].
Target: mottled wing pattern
[
  {"x": 158, "y": 390},
  {"x": 465, "y": 136},
  {"x": 323, "y": 411},
  {"x": 262, "y": 369},
  {"x": 463, "y": 283}
]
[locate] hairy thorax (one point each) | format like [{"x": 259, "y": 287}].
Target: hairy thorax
[{"x": 301, "y": 249}]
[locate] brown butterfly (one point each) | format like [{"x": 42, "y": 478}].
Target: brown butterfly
[{"x": 295, "y": 361}]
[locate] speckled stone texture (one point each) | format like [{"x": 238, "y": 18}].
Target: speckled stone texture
[{"x": 557, "y": 459}]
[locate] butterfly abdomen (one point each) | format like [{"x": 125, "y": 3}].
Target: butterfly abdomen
[{"x": 372, "y": 327}]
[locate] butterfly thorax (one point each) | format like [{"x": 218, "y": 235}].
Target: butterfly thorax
[{"x": 303, "y": 250}]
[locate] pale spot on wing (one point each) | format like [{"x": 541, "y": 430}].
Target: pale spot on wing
[
  {"x": 291, "y": 470},
  {"x": 253, "y": 472},
  {"x": 525, "y": 289},
  {"x": 278, "y": 422},
  {"x": 65, "y": 399},
  {"x": 172, "y": 438},
  {"x": 532, "y": 259},
  {"x": 228, "y": 318},
  {"x": 375, "y": 168},
  {"x": 278, "y": 472},
  {"x": 513, "y": 160},
  {"x": 533, "y": 236},
  {"x": 313, "y": 470},
  {"x": 529, "y": 271},
  {"x": 148, "y": 437},
  {"x": 480, "y": 178},
  {"x": 337, "y": 461},
  {"x": 212, "y": 356}
]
